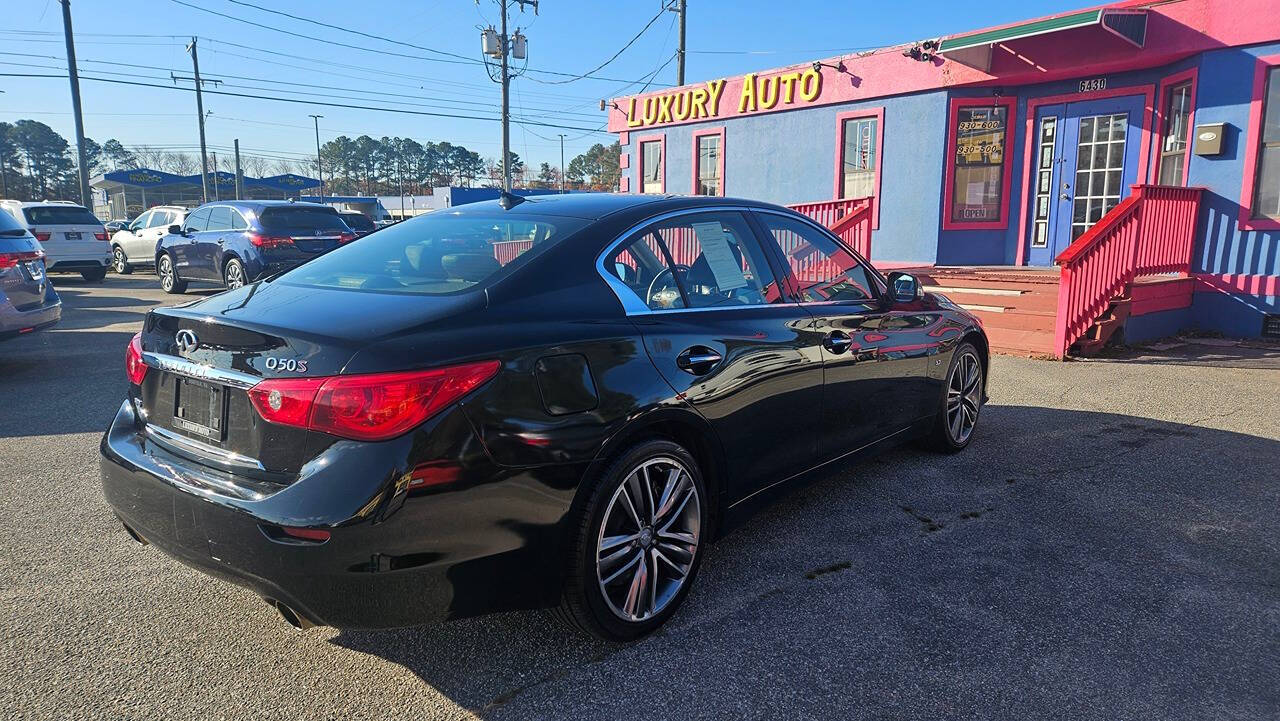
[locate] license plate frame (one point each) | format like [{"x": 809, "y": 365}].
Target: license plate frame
[
  {"x": 200, "y": 409},
  {"x": 70, "y": 235},
  {"x": 35, "y": 269}
]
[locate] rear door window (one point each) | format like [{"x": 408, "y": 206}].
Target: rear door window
[
  {"x": 301, "y": 220},
  {"x": 219, "y": 218},
  {"x": 59, "y": 215},
  {"x": 238, "y": 221},
  {"x": 159, "y": 219}
]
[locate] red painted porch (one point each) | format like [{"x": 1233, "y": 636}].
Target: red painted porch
[{"x": 1135, "y": 260}]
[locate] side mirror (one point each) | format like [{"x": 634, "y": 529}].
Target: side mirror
[
  {"x": 903, "y": 288},
  {"x": 176, "y": 230}
]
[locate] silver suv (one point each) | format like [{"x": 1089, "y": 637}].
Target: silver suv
[{"x": 135, "y": 245}]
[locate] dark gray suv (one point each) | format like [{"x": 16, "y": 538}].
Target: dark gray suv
[{"x": 28, "y": 301}]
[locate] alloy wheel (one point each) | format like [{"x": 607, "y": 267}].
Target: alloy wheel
[
  {"x": 166, "y": 273},
  {"x": 235, "y": 275},
  {"x": 964, "y": 397},
  {"x": 648, "y": 539},
  {"x": 118, "y": 262}
]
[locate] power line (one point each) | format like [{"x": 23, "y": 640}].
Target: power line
[
  {"x": 621, "y": 50},
  {"x": 300, "y": 101}
]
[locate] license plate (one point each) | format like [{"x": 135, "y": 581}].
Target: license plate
[
  {"x": 72, "y": 236},
  {"x": 35, "y": 269},
  {"x": 199, "y": 409}
]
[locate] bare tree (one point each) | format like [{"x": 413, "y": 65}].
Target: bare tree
[
  {"x": 178, "y": 163},
  {"x": 256, "y": 166},
  {"x": 149, "y": 157},
  {"x": 284, "y": 167}
]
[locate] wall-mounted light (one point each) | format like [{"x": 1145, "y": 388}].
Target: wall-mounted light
[{"x": 838, "y": 67}]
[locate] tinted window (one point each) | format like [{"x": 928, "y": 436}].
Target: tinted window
[
  {"x": 301, "y": 220},
  {"x": 10, "y": 226},
  {"x": 219, "y": 218},
  {"x": 717, "y": 264},
  {"x": 197, "y": 220},
  {"x": 433, "y": 254},
  {"x": 59, "y": 215},
  {"x": 357, "y": 221},
  {"x": 238, "y": 221},
  {"x": 823, "y": 270}
]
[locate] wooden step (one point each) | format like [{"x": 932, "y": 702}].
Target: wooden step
[{"x": 1010, "y": 341}]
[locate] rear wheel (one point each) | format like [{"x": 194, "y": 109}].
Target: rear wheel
[
  {"x": 119, "y": 263},
  {"x": 233, "y": 275},
  {"x": 960, "y": 404},
  {"x": 637, "y": 544},
  {"x": 169, "y": 281},
  {"x": 94, "y": 276}
]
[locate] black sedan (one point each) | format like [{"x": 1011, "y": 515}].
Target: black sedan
[{"x": 555, "y": 402}]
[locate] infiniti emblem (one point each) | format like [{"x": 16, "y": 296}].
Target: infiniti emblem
[{"x": 187, "y": 341}]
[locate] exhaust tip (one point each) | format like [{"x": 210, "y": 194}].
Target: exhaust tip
[{"x": 290, "y": 616}]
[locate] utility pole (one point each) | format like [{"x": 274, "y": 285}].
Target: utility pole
[
  {"x": 561, "y": 162},
  {"x": 680, "y": 46},
  {"x": 239, "y": 173},
  {"x": 215, "y": 176},
  {"x": 319, "y": 168},
  {"x": 75, "y": 105},
  {"x": 400, "y": 178},
  {"x": 204, "y": 159},
  {"x": 504, "y": 47}
]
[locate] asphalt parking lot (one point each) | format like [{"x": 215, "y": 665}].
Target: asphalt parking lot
[{"x": 1108, "y": 547}]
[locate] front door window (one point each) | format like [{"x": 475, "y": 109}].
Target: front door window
[{"x": 1099, "y": 169}]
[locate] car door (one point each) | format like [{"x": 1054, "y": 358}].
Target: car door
[
  {"x": 183, "y": 246},
  {"x": 720, "y": 331},
  {"x": 208, "y": 247},
  {"x": 130, "y": 239},
  {"x": 875, "y": 355}
]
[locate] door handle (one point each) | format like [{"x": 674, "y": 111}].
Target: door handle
[
  {"x": 698, "y": 360},
  {"x": 837, "y": 342}
]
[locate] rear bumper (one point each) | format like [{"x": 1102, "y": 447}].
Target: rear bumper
[
  {"x": 14, "y": 322},
  {"x": 65, "y": 265},
  {"x": 398, "y": 559}
]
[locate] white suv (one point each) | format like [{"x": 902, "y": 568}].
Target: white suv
[
  {"x": 73, "y": 239},
  {"x": 136, "y": 245}
]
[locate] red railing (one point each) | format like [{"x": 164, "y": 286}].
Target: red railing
[
  {"x": 850, "y": 219},
  {"x": 506, "y": 251},
  {"x": 1150, "y": 232}
]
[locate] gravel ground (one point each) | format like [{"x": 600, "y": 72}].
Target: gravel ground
[{"x": 1106, "y": 548}]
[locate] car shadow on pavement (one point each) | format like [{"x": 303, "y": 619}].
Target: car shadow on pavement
[{"x": 1067, "y": 564}]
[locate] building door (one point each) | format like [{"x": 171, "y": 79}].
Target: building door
[{"x": 1085, "y": 161}]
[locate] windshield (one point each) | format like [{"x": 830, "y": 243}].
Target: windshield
[
  {"x": 357, "y": 221},
  {"x": 433, "y": 254},
  {"x": 59, "y": 215},
  {"x": 301, "y": 220}
]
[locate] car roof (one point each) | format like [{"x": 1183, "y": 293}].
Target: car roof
[
  {"x": 262, "y": 204},
  {"x": 595, "y": 206},
  {"x": 49, "y": 204}
]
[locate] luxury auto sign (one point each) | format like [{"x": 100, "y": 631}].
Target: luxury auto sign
[{"x": 756, "y": 94}]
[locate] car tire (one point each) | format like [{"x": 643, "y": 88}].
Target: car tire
[
  {"x": 960, "y": 403},
  {"x": 94, "y": 276},
  {"x": 169, "y": 280},
  {"x": 630, "y": 569},
  {"x": 233, "y": 275},
  {"x": 119, "y": 263}
]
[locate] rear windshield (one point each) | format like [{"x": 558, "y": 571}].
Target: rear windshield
[
  {"x": 357, "y": 221},
  {"x": 59, "y": 215},
  {"x": 295, "y": 220},
  {"x": 10, "y": 227},
  {"x": 433, "y": 254}
]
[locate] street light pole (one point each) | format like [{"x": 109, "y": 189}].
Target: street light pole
[
  {"x": 319, "y": 167},
  {"x": 561, "y": 162},
  {"x": 75, "y": 105}
]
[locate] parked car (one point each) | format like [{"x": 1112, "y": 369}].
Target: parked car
[
  {"x": 73, "y": 239},
  {"x": 358, "y": 222},
  {"x": 28, "y": 301},
  {"x": 555, "y": 402},
  {"x": 237, "y": 242},
  {"x": 135, "y": 245}
]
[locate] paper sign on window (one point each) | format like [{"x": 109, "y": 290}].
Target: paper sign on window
[{"x": 725, "y": 266}]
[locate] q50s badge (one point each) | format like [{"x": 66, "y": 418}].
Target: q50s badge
[{"x": 288, "y": 365}]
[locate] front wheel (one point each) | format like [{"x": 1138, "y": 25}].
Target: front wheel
[
  {"x": 960, "y": 403},
  {"x": 169, "y": 281},
  {"x": 637, "y": 544},
  {"x": 119, "y": 263}
]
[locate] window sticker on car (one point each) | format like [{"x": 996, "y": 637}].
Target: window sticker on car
[{"x": 715, "y": 248}]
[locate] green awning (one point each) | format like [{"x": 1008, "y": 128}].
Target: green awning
[{"x": 975, "y": 49}]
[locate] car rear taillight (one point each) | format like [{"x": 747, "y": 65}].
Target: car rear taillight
[
  {"x": 9, "y": 260},
  {"x": 41, "y": 235},
  {"x": 133, "y": 365},
  {"x": 346, "y": 237},
  {"x": 269, "y": 241},
  {"x": 101, "y": 235},
  {"x": 372, "y": 407}
]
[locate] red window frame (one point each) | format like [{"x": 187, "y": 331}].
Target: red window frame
[
  {"x": 1167, "y": 84},
  {"x": 708, "y": 132},
  {"x": 640, "y": 141},
  {"x": 1010, "y": 134},
  {"x": 836, "y": 188},
  {"x": 1253, "y": 146}
]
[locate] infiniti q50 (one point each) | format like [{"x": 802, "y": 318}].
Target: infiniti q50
[{"x": 556, "y": 402}]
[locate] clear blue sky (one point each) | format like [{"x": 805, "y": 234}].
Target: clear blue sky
[{"x": 725, "y": 37}]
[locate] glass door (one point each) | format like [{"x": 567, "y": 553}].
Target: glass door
[{"x": 1086, "y": 162}]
